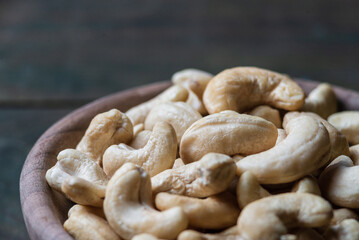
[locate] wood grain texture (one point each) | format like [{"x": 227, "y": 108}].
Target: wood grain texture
[{"x": 45, "y": 210}]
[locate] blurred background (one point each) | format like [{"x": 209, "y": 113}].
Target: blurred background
[{"x": 58, "y": 55}]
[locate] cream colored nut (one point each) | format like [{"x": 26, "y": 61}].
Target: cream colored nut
[
  {"x": 144, "y": 236},
  {"x": 178, "y": 163},
  {"x": 174, "y": 93},
  {"x": 272, "y": 216},
  {"x": 307, "y": 184},
  {"x": 79, "y": 177},
  {"x": 243, "y": 88},
  {"x": 338, "y": 142},
  {"x": 229, "y": 133},
  {"x": 339, "y": 182},
  {"x": 98, "y": 211},
  {"x": 129, "y": 211},
  {"x": 305, "y": 149},
  {"x": 157, "y": 155},
  {"x": 215, "y": 212},
  {"x": 208, "y": 176},
  {"x": 83, "y": 224},
  {"x": 196, "y": 103},
  {"x": 194, "y": 235},
  {"x": 346, "y": 230},
  {"x": 321, "y": 100},
  {"x": 137, "y": 129},
  {"x": 141, "y": 139},
  {"x": 249, "y": 190},
  {"x": 281, "y": 135},
  {"x": 354, "y": 154},
  {"x": 179, "y": 114},
  {"x": 348, "y": 123},
  {"x": 268, "y": 113},
  {"x": 106, "y": 129},
  {"x": 341, "y": 214}
]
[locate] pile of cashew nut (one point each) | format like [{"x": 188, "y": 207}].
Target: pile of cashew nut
[{"x": 240, "y": 155}]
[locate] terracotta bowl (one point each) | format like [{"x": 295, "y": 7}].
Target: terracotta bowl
[{"x": 45, "y": 210}]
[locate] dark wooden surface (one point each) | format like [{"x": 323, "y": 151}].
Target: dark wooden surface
[{"x": 57, "y": 55}]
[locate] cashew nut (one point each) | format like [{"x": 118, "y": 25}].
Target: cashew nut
[
  {"x": 194, "y": 235},
  {"x": 348, "y": 123},
  {"x": 157, "y": 155},
  {"x": 243, "y": 88},
  {"x": 215, "y": 212},
  {"x": 341, "y": 214},
  {"x": 321, "y": 100},
  {"x": 305, "y": 149},
  {"x": 339, "y": 182},
  {"x": 141, "y": 139},
  {"x": 307, "y": 184},
  {"x": 229, "y": 133},
  {"x": 354, "y": 154},
  {"x": 128, "y": 207},
  {"x": 79, "y": 177},
  {"x": 112, "y": 127},
  {"x": 272, "y": 216},
  {"x": 268, "y": 113},
  {"x": 137, "y": 129},
  {"x": 144, "y": 236},
  {"x": 348, "y": 229},
  {"x": 179, "y": 114},
  {"x": 208, "y": 176}
]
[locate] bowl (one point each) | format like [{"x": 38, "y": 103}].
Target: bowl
[{"x": 46, "y": 210}]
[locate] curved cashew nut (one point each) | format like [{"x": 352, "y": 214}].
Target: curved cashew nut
[
  {"x": 339, "y": 182},
  {"x": 348, "y": 229},
  {"x": 157, "y": 155},
  {"x": 98, "y": 211},
  {"x": 307, "y": 184},
  {"x": 174, "y": 93},
  {"x": 83, "y": 224},
  {"x": 194, "y": 235},
  {"x": 321, "y": 100},
  {"x": 105, "y": 129},
  {"x": 268, "y": 113},
  {"x": 305, "y": 149},
  {"x": 141, "y": 139},
  {"x": 229, "y": 133},
  {"x": 341, "y": 214},
  {"x": 128, "y": 207},
  {"x": 215, "y": 212},
  {"x": 144, "y": 236},
  {"x": 272, "y": 216},
  {"x": 348, "y": 123},
  {"x": 208, "y": 176},
  {"x": 354, "y": 154},
  {"x": 179, "y": 114},
  {"x": 80, "y": 178},
  {"x": 243, "y": 88}
]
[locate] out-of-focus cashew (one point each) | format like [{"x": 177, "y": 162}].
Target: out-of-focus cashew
[
  {"x": 354, "y": 154},
  {"x": 106, "y": 129},
  {"x": 79, "y": 177},
  {"x": 215, "y": 212},
  {"x": 178, "y": 163},
  {"x": 249, "y": 190},
  {"x": 157, "y": 155},
  {"x": 341, "y": 214},
  {"x": 307, "y": 184},
  {"x": 338, "y": 142},
  {"x": 174, "y": 93},
  {"x": 321, "y": 100},
  {"x": 179, "y": 114},
  {"x": 229, "y": 133},
  {"x": 144, "y": 236},
  {"x": 348, "y": 229},
  {"x": 272, "y": 216},
  {"x": 141, "y": 139},
  {"x": 98, "y": 211},
  {"x": 268, "y": 113},
  {"x": 281, "y": 135},
  {"x": 243, "y": 88},
  {"x": 339, "y": 182},
  {"x": 305, "y": 149},
  {"x": 348, "y": 123},
  {"x": 208, "y": 176},
  {"x": 194, "y": 235},
  {"x": 84, "y": 224},
  {"x": 128, "y": 206},
  {"x": 137, "y": 129}
]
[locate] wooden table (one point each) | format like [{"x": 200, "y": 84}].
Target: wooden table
[{"x": 58, "y": 55}]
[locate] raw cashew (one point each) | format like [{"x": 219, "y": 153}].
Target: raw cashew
[
  {"x": 84, "y": 224},
  {"x": 307, "y": 184},
  {"x": 157, "y": 155},
  {"x": 249, "y": 190},
  {"x": 354, "y": 154},
  {"x": 141, "y": 139},
  {"x": 272, "y": 216},
  {"x": 208, "y": 176},
  {"x": 98, "y": 211},
  {"x": 79, "y": 177},
  {"x": 194, "y": 235},
  {"x": 243, "y": 88},
  {"x": 229, "y": 133},
  {"x": 346, "y": 230},
  {"x": 305, "y": 149},
  {"x": 215, "y": 212},
  {"x": 129, "y": 210},
  {"x": 339, "y": 182},
  {"x": 179, "y": 114},
  {"x": 268, "y": 113},
  {"x": 106, "y": 129},
  {"x": 341, "y": 214},
  {"x": 144, "y": 236},
  {"x": 138, "y": 113},
  {"x": 348, "y": 123},
  {"x": 321, "y": 100}
]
